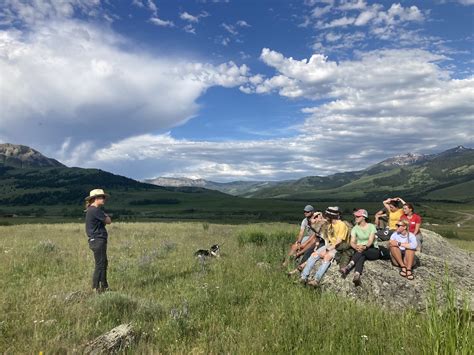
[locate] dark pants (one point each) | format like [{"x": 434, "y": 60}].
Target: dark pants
[
  {"x": 310, "y": 251},
  {"x": 359, "y": 258},
  {"x": 99, "y": 277}
]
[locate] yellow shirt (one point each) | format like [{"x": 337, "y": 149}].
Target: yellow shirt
[
  {"x": 393, "y": 218},
  {"x": 337, "y": 231}
]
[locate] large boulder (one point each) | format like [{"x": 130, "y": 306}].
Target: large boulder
[{"x": 382, "y": 283}]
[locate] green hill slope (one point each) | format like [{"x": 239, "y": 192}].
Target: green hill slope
[
  {"x": 43, "y": 192},
  {"x": 439, "y": 177}
]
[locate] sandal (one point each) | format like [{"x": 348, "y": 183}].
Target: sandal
[
  {"x": 403, "y": 272},
  {"x": 410, "y": 275}
]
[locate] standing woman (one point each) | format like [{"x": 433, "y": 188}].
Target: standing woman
[
  {"x": 96, "y": 220},
  {"x": 364, "y": 243},
  {"x": 415, "y": 223}
]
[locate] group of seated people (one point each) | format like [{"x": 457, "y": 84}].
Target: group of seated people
[{"x": 326, "y": 237}]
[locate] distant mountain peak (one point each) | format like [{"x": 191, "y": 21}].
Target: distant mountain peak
[
  {"x": 22, "y": 156},
  {"x": 404, "y": 159},
  {"x": 460, "y": 148}
]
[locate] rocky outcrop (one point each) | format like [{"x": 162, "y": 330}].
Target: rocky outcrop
[
  {"x": 381, "y": 282},
  {"x": 20, "y": 156},
  {"x": 114, "y": 341}
]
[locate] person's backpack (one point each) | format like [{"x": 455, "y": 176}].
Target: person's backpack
[
  {"x": 384, "y": 253},
  {"x": 384, "y": 234}
]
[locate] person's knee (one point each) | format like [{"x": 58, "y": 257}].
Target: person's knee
[{"x": 327, "y": 257}]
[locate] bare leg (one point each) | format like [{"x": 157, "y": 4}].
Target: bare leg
[
  {"x": 409, "y": 258},
  {"x": 306, "y": 246},
  {"x": 396, "y": 256}
]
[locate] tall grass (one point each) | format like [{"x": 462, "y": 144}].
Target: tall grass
[{"x": 178, "y": 304}]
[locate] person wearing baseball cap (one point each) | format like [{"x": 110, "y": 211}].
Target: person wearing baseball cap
[
  {"x": 306, "y": 238},
  {"x": 96, "y": 220},
  {"x": 364, "y": 242}
]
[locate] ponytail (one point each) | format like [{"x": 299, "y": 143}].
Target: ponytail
[{"x": 88, "y": 203}]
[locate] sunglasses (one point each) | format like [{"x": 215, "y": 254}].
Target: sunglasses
[
  {"x": 400, "y": 225},
  {"x": 306, "y": 211}
]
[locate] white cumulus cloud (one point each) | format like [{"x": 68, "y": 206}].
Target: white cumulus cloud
[{"x": 70, "y": 79}]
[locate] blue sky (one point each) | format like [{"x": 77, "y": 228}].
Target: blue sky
[{"x": 230, "y": 90}]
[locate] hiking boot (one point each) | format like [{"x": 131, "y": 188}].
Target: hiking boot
[
  {"x": 356, "y": 279},
  {"x": 313, "y": 283},
  {"x": 344, "y": 272}
]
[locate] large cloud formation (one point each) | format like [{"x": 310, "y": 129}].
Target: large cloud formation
[
  {"x": 69, "y": 79},
  {"x": 385, "y": 102},
  {"x": 84, "y": 94}
]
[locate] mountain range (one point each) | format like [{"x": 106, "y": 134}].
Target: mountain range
[
  {"x": 446, "y": 176},
  {"x": 35, "y": 186},
  {"x": 32, "y": 184}
]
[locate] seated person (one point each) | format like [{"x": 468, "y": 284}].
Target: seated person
[
  {"x": 414, "y": 221},
  {"x": 381, "y": 220},
  {"x": 364, "y": 243},
  {"x": 305, "y": 239},
  {"x": 337, "y": 233},
  {"x": 318, "y": 222},
  {"x": 402, "y": 249},
  {"x": 394, "y": 211}
]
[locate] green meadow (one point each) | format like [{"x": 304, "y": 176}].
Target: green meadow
[{"x": 240, "y": 303}]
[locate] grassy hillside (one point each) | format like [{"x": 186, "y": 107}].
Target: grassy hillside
[
  {"x": 60, "y": 192},
  {"x": 178, "y": 305},
  {"x": 437, "y": 178}
]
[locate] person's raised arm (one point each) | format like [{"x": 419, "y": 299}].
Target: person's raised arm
[
  {"x": 401, "y": 200},
  {"x": 386, "y": 203}
]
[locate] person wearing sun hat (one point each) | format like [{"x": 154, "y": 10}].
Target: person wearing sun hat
[
  {"x": 337, "y": 234},
  {"x": 96, "y": 220},
  {"x": 364, "y": 242}
]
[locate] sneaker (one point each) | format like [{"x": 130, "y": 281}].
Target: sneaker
[
  {"x": 313, "y": 283},
  {"x": 356, "y": 279}
]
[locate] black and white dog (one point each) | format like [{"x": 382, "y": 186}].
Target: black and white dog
[{"x": 213, "y": 251}]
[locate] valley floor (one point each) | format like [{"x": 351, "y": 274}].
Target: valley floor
[{"x": 240, "y": 303}]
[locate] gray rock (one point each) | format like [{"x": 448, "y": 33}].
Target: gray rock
[
  {"x": 115, "y": 340},
  {"x": 382, "y": 283},
  {"x": 75, "y": 296}
]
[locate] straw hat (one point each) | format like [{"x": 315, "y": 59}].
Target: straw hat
[{"x": 96, "y": 193}]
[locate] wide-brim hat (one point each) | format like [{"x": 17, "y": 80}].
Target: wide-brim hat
[
  {"x": 96, "y": 193},
  {"x": 333, "y": 211}
]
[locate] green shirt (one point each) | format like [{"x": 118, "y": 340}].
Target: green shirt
[{"x": 362, "y": 234}]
